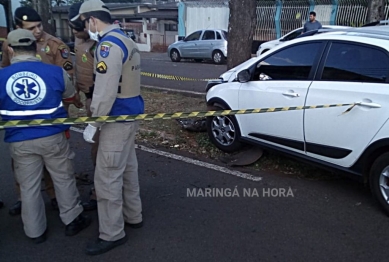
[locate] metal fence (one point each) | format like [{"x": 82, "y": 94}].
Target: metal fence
[{"x": 275, "y": 18}]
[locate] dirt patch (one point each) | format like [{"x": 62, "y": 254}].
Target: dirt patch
[{"x": 169, "y": 134}]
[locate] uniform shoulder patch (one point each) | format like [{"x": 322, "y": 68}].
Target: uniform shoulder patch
[
  {"x": 101, "y": 67},
  {"x": 104, "y": 49},
  {"x": 64, "y": 51},
  {"x": 67, "y": 66}
]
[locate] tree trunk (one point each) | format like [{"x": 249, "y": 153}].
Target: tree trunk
[
  {"x": 242, "y": 22},
  {"x": 43, "y": 7},
  {"x": 376, "y": 11}
]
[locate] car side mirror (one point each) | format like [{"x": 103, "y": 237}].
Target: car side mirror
[{"x": 244, "y": 76}]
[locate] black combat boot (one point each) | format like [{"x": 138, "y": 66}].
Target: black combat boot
[{"x": 81, "y": 222}]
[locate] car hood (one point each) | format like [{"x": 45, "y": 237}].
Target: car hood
[
  {"x": 270, "y": 43},
  {"x": 233, "y": 71},
  {"x": 177, "y": 43}
]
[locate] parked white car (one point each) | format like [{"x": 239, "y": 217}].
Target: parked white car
[
  {"x": 200, "y": 45},
  {"x": 289, "y": 36},
  {"x": 351, "y": 66}
]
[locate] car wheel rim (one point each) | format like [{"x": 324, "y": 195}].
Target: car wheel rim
[
  {"x": 223, "y": 130},
  {"x": 174, "y": 55},
  {"x": 384, "y": 183},
  {"x": 217, "y": 57}
]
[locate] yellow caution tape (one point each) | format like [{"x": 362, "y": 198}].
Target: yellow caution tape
[
  {"x": 173, "y": 77},
  {"x": 121, "y": 118}
]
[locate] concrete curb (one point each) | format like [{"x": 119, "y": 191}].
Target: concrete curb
[{"x": 174, "y": 91}]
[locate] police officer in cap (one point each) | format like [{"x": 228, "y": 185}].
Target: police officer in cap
[
  {"x": 50, "y": 50},
  {"x": 116, "y": 92},
  {"x": 32, "y": 89},
  {"x": 83, "y": 76}
]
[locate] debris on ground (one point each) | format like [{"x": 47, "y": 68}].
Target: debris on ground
[{"x": 194, "y": 125}]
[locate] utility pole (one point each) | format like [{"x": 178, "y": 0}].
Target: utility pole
[
  {"x": 376, "y": 11},
  {"x": 242, "y": 22}
]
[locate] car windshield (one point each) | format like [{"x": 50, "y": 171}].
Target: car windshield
[{"x": 225, "y": 35}]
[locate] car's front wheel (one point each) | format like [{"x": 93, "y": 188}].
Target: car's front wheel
[
  {"x": 175, "y": 55},
  {"x": 379, "y": 181},
  {"x": 224, "y": 132},
  {"x": 218, "y": 57}
]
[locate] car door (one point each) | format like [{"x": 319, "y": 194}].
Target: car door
[
  {"x": 205, "y": 45},
  {"x": 189, "y": 46},
  {"x": 350, "y": 73},
  {"x": 281, "y": 79}
]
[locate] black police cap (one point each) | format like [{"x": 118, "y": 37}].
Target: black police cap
[
  {"x": 74, "y": 10},
  {"x": 27, "y": 14}
]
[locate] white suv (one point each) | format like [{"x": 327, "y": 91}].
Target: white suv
[
  {"x": 289, "y": 36},
  {"x": 344, "y": 67}
]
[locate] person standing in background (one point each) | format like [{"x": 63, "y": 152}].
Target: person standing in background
[
  {"x": 312, "y": 24},
  {"x": 83, "y": 78}
]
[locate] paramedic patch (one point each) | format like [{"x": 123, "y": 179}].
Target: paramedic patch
[
  {"x": 101, "y": 67},
  {"x": 26, "y": 88},
  {"x": 104, "y": 49}
]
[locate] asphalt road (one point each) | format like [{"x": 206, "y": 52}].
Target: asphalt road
[
  {"x": 324, "y": 220},
  {"x": 160, "y": 63}
]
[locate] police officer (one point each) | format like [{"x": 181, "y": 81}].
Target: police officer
[
  {"x": 50, "y": 50},
  {"x": 116, "y": 92},
  {"x": 84, "y": 51},
  {"x": 33, "y": 89},
  {"x": 84, "y": 54}
]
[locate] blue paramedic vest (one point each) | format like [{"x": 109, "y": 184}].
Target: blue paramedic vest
[{"x": 31, "y": 90}]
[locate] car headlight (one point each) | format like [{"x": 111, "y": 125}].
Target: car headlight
[{"x": 212, "y": 83}]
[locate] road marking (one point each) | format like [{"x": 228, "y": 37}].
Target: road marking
[{"x": 190, "y": 160}]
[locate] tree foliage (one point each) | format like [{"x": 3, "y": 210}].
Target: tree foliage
[
  {"x": 26, "y": 3},
  {"x": 59, "y": 2}
]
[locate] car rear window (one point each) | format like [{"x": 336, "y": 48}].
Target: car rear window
[{"x": 225, "y": 35}]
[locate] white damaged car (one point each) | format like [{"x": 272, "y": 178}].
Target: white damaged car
[{"x": 348, "y": 70}]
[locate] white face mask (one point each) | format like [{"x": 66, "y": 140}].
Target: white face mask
[{"x": 93, "y": 36}]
